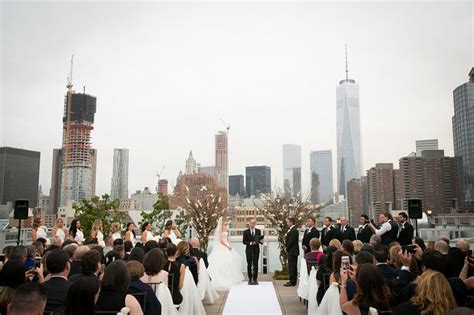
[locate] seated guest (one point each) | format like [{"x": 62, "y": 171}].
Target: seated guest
[
  {"x": 121, "y": 250},
  {"x": 58, "y": 265},
  {"x": 336, "y": 265},
  {"x": 197, "y": 252},
  {"x": 433, "y": 296},
  {"x": 177, "y": 270},
  {"x": 127, "y": 246},
  {"x": 150, "y": 245},
  {"x": 314, "y": 254},
  {"x": 81, "y": 297},
  {"x": 136, "y": 270},
  {"x": 19, "y": 253},
  {"x": 393, "y": 258},
  {"x": 13, "y": 275},
  {"x": 137, "y": 254},
  {"x": 371, "y": 291},
  {"x": 360, "y": 259},
  {"x": 90, "y": 266},
  {"x": 375, "y": 240},
  {"x": 463, "y": 245},
  {"x": 112, "y": 256},
  {"x": 163, "y": 243},
  {"x": 381, "y": 256},
  {"x": 336, "y": 243},
  {"x": 348, "y": 246},
  {"x": 153, "y": 264},
  {"x": 185, "y": 258},
  {"x": 420, "y": 242},
  {"x": 29, "y": 299},
  {"x": 324, "y": 271},
  {"x": 117, "y": 242},
  {"x": 109, "y": 245},
  {"x": 367, "y": 248},
  {"x": 357, "y": 246},
  {"x": 113, "y": 294},
  {"x": 76, "y": 259},
  {"x": 69, "y": 248}
]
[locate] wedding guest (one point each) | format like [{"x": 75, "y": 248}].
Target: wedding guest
[
  {"x": 292, "y": 248},
  {"x": 196, "y": 251},
  {"x": 346, "y": 232},
  {"x": 365, "y": 232},
  {"x": 389, "y": 229},
  {"x": 90, "y": 266},
  {"x": 29, "y": 299},
  {"x": 186, "y": 259},
  {"x": 328, "y": 233},
  {"x": 137, "y": 254},
  {"x": 336, "y": 243},
  {"x": 115, "y": 231},
  {"x": 75, "y": 231},
  {"x": 113, "y": 295},
  {"x": 147, "y": 235},
  {"x": 97, "y": 232},
  {"x": 153, "y": 264},
  {"x": 177, "y": 270},
  {"x": 171, "y": 231},
  {"x": 310, "y": 233},
  {"x": 315, "y": 254},
  {"x": 81, "y": 297},
  {"x": 130, "y": 234},
  {"x": 136, "y": 271},
  {"x": 57, "y": 263}
]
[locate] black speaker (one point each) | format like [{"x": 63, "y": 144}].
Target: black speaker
[
  {"x": 20, "y": 210},
  {"x": 415, "y": 209}
]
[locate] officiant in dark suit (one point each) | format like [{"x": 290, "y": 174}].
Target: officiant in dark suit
[
  {"x": 252, "y": 239},
  {"x": 309, "y": 233},
  {"x": 293, "y": 250},
  {"x": 346, "y": 232}
]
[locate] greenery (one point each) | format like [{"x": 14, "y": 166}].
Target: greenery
[
  {"x": 99, "y": 207},
  {"x": 281, "y": 275},
  {"x": 160, "y": 214}
]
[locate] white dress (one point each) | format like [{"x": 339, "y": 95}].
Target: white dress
[
  {"x": 100, "y": 238},
  {"x": 149, "y": 236},
  {"x": 225, "y": 266},
  {"x": 79, "y": 236},
  {"x": 174, "y": 239},
  {"x": 60, "y": 233},
  {"x": 116, "y": 235},
  {"x": 41, "y": 232}
]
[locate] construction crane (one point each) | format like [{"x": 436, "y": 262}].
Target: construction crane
[
  {"x": 226, "y": 125},
  {"x": 67, "y": 145}
]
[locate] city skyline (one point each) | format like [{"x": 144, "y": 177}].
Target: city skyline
[{"x": 301, "y": 112}]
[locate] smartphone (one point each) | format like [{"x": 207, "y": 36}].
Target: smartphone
[
  {"x": 345, "y": 262},
  {"x": 30, "y": 264},
  {"x": 411, "y": 249},
  {"x": 37, "y": 262},
  {"x": 469, "y": 253}
]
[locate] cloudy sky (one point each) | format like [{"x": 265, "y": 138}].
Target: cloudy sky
[{"x": 165, "y": 73}]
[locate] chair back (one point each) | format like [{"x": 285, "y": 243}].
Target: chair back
[
  {"x": 154, "y": 285},
  {"x": 171, "y": 282},
  {"x": 141, "y": 298},
  {"x": 311, "y": 262}
]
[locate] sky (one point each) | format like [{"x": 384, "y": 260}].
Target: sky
[{"x": 166, "y": 73}]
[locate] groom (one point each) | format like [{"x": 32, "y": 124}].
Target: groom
[{"x": 252, "y": 242}]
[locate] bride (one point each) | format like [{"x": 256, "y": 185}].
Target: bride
[{"x": 225, "y": 263}]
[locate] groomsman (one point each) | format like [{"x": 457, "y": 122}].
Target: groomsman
[
  {"x": 346, "y": 232},
  {"x": 365, "y": 232},
  {"x": 328, "y": 233},
  {"x": 293, "y": 250},
  {"x": 309, "y": 233},
  {"x": 405, "y": 231}
]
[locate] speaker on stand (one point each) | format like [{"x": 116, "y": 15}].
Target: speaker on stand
[{"x": 415, "y": 211}]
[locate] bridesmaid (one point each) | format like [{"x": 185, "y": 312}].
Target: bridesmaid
[
  {"x": 130, "y": 233},
  {"x": 75, "y": 231},
  {"x": 38, "y": 231},
  {"x": 58, "y": 231},
  {"x": 97, "y": 232},
  {"x": 146, "y": 232},
  {"x": 115, "y": 231},
  {"x": 171, "y": 231}
]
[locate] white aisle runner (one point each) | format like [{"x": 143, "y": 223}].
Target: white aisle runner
[{"x": 252, "y": 299}]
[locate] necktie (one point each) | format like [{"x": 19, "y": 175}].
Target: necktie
[{"x": 253, "y": 233}]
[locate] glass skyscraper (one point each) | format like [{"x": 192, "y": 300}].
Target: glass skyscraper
[
  {"x": 463, "y": 136},
  {"x": 321, "y": 176},
  {"x": 292, "y": 170},
  {"x": 349, "y": 150}
]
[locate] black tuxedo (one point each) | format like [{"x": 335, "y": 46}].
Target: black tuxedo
[
  {"x": 405, "y": 235},
  {"x": 196, "y": 252},
  {"x": 252, "y": 251},
  {"x": 308, "y": 235},
  {"x": 347, "y": 234},
  {"x": 56, "y": 291},
  {"x": 364, "y": 234},
  {"x": 293, "y": 250},
  {"x": 328, "y": 234}
]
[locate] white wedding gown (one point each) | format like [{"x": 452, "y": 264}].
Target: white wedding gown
[{"x": 225, "y": 266}]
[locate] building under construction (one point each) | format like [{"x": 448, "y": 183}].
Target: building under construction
[{"x": 74, "y": 165}]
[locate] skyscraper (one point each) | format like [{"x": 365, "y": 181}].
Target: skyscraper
[
  {"x": 190, "y": 164},
  {"x": 119, "y": 189},
  {"x": 236, "y": 185},
  {"x": 349, "y": 151},
  {"x": 78, "y": 157},
  {"x": 56, "y": 175},
  {"x": 258, "y": 180},
  {"x": 430, "y": 144},
  {"x": 292, "y": 170},
  {"x": 321, "y": 166},
  {"x": 222, "y": 159},
  {"x": 463, "y": 136},
  {"x": 381, "y": 189},
  {"x": 19, "y": 175}
]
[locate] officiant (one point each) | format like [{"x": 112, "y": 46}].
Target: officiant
[{"x": 252, "y": 239}]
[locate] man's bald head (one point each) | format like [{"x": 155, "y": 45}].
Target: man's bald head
[
  {"x": 252, "y": 223},
  {"x": 195, "y": 243},
  {"x": 80, "y": 251}
]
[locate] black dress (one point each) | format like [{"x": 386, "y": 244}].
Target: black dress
[
  {"x": 189, "y": 261},
  {"x": 173, "y": 269},
  {"x": 111, "y": 301}
]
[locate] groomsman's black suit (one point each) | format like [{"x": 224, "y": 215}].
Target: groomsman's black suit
[
  {"x": 252, "y": 251},
  {"x": 293, "y": 250},
  {"x": 346, "y": 233},
  {"x": 308, "y": 235},
  {"x": 196, "y": 252},
  {"x": 364, "y": 233},
  {"x": 327, "y": 234},
  {"x": 405, "y": 235}
]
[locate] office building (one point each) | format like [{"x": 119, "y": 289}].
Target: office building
[
  {"x": 236, "y": 185},
  {"x": 292, "y": 170},
  {"x": 119, "y": 189},
  {"x": 430, "y": 144},
  {"x": 257, "y": 180},
  {"x": 321, "y": 176},
  {"x": 222, "y": 159}
]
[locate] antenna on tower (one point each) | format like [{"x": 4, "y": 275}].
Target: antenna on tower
[
  {"x": 69, "y": 78},
  {"x": 347, "y": 70}
]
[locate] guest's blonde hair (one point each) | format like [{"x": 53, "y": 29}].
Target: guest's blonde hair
[
  {"x": 357, "y": 246},
  {"x": 433, "y": 294},
  {"x": 115, "y": 227},
  {"x": 335, "y": 242},
  {"x": 393, "y": 254}
]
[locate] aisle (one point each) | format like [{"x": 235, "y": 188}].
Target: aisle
[{"x": 252, "y": 299}]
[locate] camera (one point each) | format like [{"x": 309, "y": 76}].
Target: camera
[{"x": 411, "y": 249}]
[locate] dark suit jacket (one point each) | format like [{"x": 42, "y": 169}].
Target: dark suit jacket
[
  {"x": 348, "y": 234},
  {"x": 308, "y": 235},
  {"x": 247, "y": 238},
  {"x": 364, "y": 234},
  {"x": 387, "y": 271},
  {"x": 75, "y": 268},
  {"x": 328, "y": 235},
  {"x": 291, "y": 242},
  {"x": 56, "y": 291},
  {"x": 406, "y": 234},
  {"x": 196, "y": 252},
  {"x": 152, "y": 305}
]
